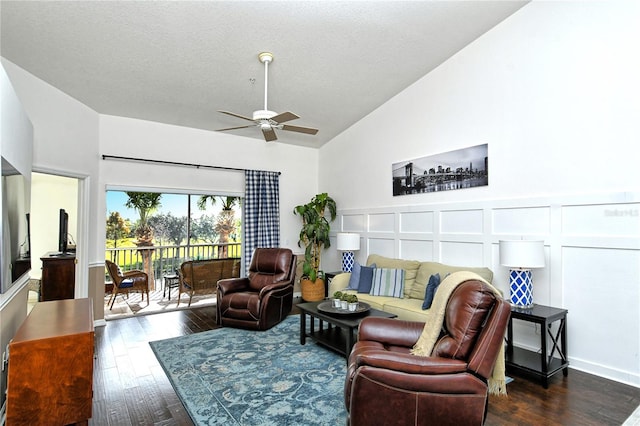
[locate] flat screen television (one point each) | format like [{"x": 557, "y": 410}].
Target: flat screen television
[{"x": 63, "y": 231}]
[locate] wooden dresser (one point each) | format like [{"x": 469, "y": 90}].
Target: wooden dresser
[
  {"x": 50, "y": 379},
  {"x": 58, "y": 277}
]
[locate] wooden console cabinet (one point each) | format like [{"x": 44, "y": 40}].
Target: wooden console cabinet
[
  {"x": 58, "y": 277},
  {"x": 50, "y": 379}
]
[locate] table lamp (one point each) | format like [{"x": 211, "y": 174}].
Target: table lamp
[
  {"x": 347, "y": 243},
  {"x": 521, "y": 256}
]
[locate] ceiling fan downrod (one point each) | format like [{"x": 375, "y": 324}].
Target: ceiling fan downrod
[{"x": 266, "y": 58}]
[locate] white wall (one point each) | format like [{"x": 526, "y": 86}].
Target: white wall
[
  {"x": 16, "y": 145},
  {"x": 49, "y": 194},
  {"x": 66, "y": 144},
  {"x": 149, "y": 140},
  {"x": 554, "y": 92},
  {"x": 16, "y": 130}
]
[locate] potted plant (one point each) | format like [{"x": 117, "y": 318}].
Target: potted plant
[
  {"x": 314, "y": 235},
  {"x": 344, "y": 301},
  {"x": 145, "y": 203},
  {"x": 337, "y": 296},
  {"x": 352, "y": 301}
]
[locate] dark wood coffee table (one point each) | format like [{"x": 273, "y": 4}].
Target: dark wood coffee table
[{"x": 341, "y": 331}]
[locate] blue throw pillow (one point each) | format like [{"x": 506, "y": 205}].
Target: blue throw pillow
[
  {"x": 366, "y": 276},
  {"x": 430, "y": 291},
  {"x": 354, "y": 280}
]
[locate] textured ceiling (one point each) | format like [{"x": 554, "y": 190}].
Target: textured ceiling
[{"x": 179, "y": 62}]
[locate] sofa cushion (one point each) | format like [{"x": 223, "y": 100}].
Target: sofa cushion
[
  {"x": 387, "y": 282},
  {"x": 405, "y": 309},
  {"x": 376, "y": 302},
  {"x": 430, "y": 268},
  {"x": 410, "y": 269}
]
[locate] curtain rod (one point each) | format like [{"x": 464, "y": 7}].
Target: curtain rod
[{"x": 175, "y": 163}]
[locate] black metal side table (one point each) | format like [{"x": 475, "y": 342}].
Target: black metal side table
[
  {"x": 541, "y": 364},
  {"x": 328, "y": 276},
  {"x": 170, "y": 281}
]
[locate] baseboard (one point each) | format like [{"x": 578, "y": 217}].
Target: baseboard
[
  {"x": 634, "y": 418},
  {"x": 606, "y": 372}
]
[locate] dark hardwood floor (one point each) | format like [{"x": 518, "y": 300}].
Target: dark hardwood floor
[{"x": 130, "y": 387}]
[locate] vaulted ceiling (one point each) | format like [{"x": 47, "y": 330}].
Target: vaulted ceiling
[{"x": 180, "y": 62}]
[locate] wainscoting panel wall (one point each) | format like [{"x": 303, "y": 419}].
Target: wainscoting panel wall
[
  {"x": 353, "y": 223},
  {"x": 592, "y": 251},
  {"x": 416, "y": 222},
  {"x": 461, "y": 222},
  {"x": 415, "y": 249}
]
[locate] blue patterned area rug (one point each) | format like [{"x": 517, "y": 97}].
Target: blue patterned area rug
[{"x": 232, "y": 376}]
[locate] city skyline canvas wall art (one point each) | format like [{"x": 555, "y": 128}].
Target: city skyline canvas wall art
[{"x": 459, "y": 169}]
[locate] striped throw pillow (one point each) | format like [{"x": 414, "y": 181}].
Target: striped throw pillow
[{"x": 387, "y": 282}]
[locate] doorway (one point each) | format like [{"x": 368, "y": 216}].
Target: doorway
[
  {"x": 51, "y": 192},
  {"x": 168, "y": 227}
]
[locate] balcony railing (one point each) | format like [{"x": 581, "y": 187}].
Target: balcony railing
[{"x": 167, "y": 259}]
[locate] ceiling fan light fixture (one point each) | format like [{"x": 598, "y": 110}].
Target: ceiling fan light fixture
[{"x": 263, "y": 114}]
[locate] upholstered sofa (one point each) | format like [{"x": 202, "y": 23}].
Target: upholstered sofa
[
  {"x": 416, "y": 278},
  {"x": 202, "y": 276}
]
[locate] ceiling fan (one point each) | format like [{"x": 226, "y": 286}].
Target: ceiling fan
[{"x": 267, "y": 120}]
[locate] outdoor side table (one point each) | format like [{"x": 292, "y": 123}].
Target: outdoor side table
[{"x": 170, "y": 281}]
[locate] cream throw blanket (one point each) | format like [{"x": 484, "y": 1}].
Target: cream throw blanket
[{"x": 435, "y": 317}]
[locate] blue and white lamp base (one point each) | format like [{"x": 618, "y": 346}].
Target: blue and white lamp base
[
  {"x": 347, "y": 261},
  {"x": 521, "y": 288}
]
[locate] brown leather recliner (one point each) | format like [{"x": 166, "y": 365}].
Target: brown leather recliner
[
  {"x": 262, "y": 299},
  {"x": 387, "y": 385}
]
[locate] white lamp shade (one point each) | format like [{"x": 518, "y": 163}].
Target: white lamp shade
[
  {"x": 522, "y": 254},
  {"x": 347, "y": 241}
]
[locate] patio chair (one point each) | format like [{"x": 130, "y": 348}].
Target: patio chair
[{"x": 124, "y": 282}]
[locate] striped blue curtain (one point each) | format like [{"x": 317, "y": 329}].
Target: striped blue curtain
[{"x": 261, "y": 212}]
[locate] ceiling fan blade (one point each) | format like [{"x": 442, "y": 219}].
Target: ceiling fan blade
[
  {"x": 307, "y": 130},
  {"x": 234, "y": 128},
  {"x": 285, "y": 116},
  {"x": 236, "y": 115},
  {"x": 269, "y": 134}
]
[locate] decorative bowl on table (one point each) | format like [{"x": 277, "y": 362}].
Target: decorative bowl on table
[{"x": 328, "y": 308}]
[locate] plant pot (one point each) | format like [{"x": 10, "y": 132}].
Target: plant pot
[
  {"x": 336, "y": 303},
  {"x": 344, "y": 304},
  {"x": 353, "y": 306},
  {"x": 312, "y": 291}
]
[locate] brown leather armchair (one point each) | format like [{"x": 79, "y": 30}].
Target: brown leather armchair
[
  {"x": 388, "y": 385},
  {"x": 262, "y": 299}
]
